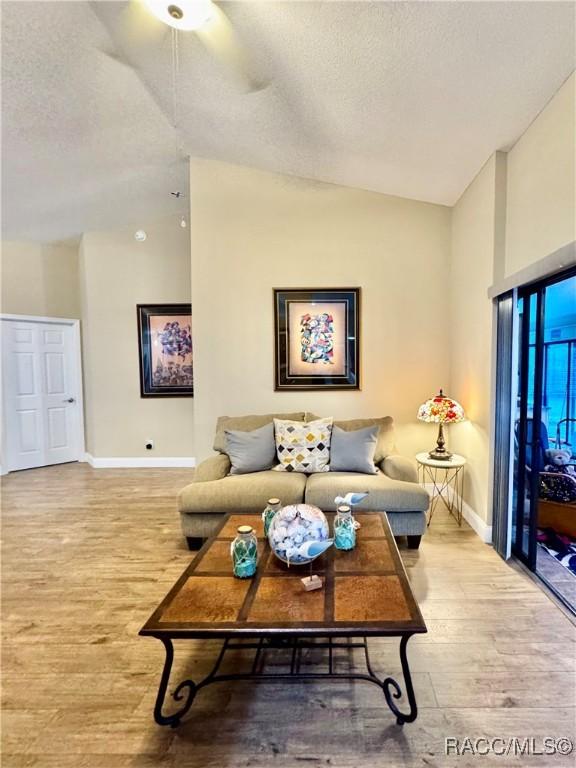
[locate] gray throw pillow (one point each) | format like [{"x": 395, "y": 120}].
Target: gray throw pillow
[
  {"x": 353, "y": 451},
  {"x": 251, "y": 451}
]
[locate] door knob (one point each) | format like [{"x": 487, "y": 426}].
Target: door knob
[{"x": 69, "y": 400}]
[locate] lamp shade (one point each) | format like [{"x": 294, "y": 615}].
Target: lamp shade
[{"x": 441, "y": 410}]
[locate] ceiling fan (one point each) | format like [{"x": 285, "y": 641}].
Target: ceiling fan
[
  {"x": 207, "y": 21},
  {"x": 134, "y": 23}
]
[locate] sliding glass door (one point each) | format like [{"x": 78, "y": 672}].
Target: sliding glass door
[
  {"x": 544, "y": 485},
  {"x": 527, "y": 456}
]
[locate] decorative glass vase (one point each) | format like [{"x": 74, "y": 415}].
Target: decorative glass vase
[
  {"x": 299, "y": 533},
  {"x": 272, "y": 507},
  {"x": 344, "y": 528},
  {"x": 244, "y": 551}
]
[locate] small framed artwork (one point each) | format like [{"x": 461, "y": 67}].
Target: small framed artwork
[
  {"x": 165, "y": 345},
  {"x": 317, "y": 338}
]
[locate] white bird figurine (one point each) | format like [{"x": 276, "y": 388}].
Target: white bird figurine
[
  {"x": 310, "y": 550},
  {"x": 351, "y": 499}
]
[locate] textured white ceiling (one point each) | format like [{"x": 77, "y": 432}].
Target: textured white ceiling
[{"x": 404, "y": 98}]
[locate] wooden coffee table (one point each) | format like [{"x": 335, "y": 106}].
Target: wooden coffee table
[{"x": 366, "y": 594}]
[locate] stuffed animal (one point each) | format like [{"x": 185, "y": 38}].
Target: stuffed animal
[
  {"x": 559, "y": 462},
  {"x": 558, "y": 483}
]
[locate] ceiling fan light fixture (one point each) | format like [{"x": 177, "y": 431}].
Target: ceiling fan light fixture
[
  {"x": 176, "y": 12},
  {"x": 182, "y": 14}
]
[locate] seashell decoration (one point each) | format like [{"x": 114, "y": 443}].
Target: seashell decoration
[{"x": 299, "y": 533}]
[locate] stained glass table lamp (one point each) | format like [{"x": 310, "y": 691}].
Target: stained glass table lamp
[{"x": 441, "y": 410}]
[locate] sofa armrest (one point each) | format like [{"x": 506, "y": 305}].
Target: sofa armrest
[
  {"x": 214, "y": 468},
  {"x": 399, "y": 468}
]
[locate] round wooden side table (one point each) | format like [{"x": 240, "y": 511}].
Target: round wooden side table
[{"x": 447, "y": 480}]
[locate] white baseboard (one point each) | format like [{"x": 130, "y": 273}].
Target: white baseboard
[
  {"x": 479, "y": 526},
  {"x": 138, "y": 462},
  {"x": 475, "y": 522}
]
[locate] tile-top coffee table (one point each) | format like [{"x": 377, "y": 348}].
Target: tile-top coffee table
[{"x": 366, "y": 594}]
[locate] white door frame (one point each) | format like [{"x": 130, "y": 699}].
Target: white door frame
[{"x": 77, "y": 363}]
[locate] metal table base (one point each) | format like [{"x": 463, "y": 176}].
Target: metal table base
[
  {"x": 447, "y": 485},
  {"x": 186, "y": 690}
]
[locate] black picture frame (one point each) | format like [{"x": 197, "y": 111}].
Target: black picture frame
[
  {"x": 289, "y": 346},
  {"x": 162, "y": 381}
]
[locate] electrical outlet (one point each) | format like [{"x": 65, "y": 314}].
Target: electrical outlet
[{"x": 149, "y": 445}]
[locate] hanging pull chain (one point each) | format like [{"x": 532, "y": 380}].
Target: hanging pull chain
[{"x": 175, "y": 56}]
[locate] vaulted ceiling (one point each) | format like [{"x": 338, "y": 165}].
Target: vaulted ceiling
[{"x": 405, "y": 98}]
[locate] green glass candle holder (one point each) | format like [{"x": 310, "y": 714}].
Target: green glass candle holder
[
  {"x": 344, "y": 528},
  {"x": 272, "y": 507},
  {"x": 244, "y": 551}
]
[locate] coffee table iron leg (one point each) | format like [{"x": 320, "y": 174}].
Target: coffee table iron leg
[
  {"x": 186, "y": 689},
  {"x": 396, "y": 692}
]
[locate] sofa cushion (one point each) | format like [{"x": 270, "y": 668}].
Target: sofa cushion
[
  {"x": 251, "y": 451},
  {"x": 247, "y": 424},
  {"x": 385, "y": 494},
  {"x": 353, "y": 451},
  {"x": 303, "y": 446},
  {"x": 242, "y": 493},
  {"x": 386, "y": 438}
]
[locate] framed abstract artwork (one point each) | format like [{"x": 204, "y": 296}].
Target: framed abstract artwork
[
  {"x": 165, "y": 345},
  {"x": 317, "y": 338}
]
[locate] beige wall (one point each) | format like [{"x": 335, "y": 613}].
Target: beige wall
[
  {"x": 117, "y": 273},
  {"x": 252, "y": 231},
  {"x": 39, "y": 280},
  {"x": 517, "y": 210},
  {"x": 473, "y": 243},
  {"x": 541, "y": 203}
]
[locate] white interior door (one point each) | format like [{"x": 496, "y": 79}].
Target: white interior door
[{"x": 42, "y": 418}]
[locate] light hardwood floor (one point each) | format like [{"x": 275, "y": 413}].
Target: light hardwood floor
[{"x": 87, "y": 554}]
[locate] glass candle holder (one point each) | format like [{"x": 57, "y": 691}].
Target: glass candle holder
[
  {"x": 272, "y": 507},
  {"x": 344, "y": 528},
  {"x": 244, "y": 552}
]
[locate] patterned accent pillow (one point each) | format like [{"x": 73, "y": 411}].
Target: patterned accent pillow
[{"x": 303, "y": 446}]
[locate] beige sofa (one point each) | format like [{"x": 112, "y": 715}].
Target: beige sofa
[{"x": 213, "y": 491}]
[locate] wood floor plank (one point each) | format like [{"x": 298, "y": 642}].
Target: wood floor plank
[
  {"x": 87, "y": 555},
  {"x": 504, "y": 689}
]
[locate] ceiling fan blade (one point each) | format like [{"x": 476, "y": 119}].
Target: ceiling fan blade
[
  {"x": 221, "y": 40},
  {"x": 130, "y": 21}
]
